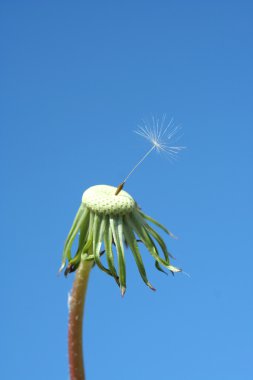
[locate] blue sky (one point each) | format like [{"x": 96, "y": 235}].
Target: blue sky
[{"x": 76, "y": 79}]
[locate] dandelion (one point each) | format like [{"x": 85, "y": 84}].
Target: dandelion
[
  {"x": 162, "y": 138},
  {"x": 108, "y": 222}
]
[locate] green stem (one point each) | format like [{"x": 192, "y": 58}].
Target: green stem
[{"x": 75, "y": 325}]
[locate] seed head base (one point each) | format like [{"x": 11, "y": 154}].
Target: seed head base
[
  {"x": 109, "y": 223},
  {"x": 102, "y": 199}
]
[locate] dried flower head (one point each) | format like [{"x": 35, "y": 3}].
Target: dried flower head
[{"x": 108, "y": 223}]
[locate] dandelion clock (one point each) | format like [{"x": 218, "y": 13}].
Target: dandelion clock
[{"x": 108, "y": 223}]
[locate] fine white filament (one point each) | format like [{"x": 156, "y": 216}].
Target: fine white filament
[{"x": 161, "y": 136}]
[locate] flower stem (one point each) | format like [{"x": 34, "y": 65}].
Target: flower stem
[{"x": 75, "y": 325}]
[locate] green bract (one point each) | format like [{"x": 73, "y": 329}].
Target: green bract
[{"x": 105, "y": 220}]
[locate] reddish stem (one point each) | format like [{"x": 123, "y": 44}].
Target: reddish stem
[{"x": 75, "y": 325}]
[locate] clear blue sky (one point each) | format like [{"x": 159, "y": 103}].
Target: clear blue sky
[{"x": 76, "y": 79}]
